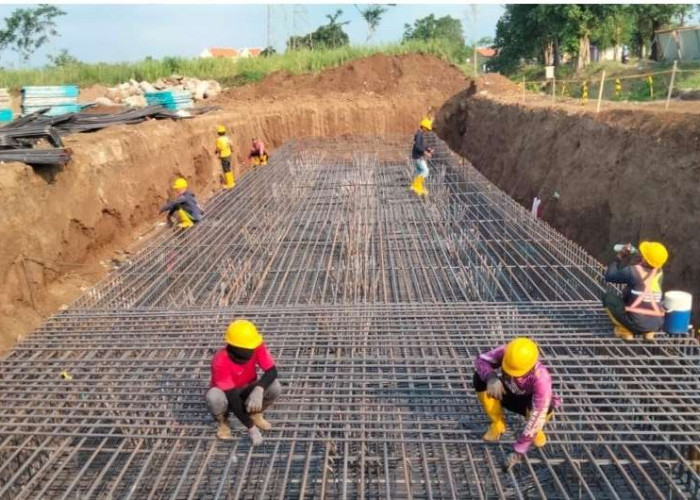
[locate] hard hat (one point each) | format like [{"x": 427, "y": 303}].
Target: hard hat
[
  {"x": 520, "y": 357},
  {"x": 426, "y": 123},
  {"x": 180, "y": 183},
  {"x": 243, "y": 333},
  {"x": 221, "y": 129},
  {"x": 654, "y": 253}
]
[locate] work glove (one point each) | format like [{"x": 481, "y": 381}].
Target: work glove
[
  {"x": 494, "y": 387},
  {"x": 255, "y": 436},
  {"x": 254, "y": 402},
  {"x": 512, "y": 460}
]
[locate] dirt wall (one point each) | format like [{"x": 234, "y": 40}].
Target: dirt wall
[
  {"x": 61, "y": 228},
  {"x": 620, "y": 175}
]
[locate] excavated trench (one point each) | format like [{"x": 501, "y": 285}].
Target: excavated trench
[{"x": 614, "y": 177}]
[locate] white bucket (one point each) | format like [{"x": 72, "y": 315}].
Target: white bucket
[{"x": 678, "y": 301}]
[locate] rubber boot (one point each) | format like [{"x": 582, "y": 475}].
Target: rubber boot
[
  {"x": 185, "y": 219},
  {"x": 648, "y": 336},
  {"x": 223, "y": 430},
  {"x": 492, "y": 408},
  {"x": 421, "y": 186},
  {"x": 414, "y": 186},
  {"x": 623, "y": 333},
  {"x": 228, "y": 177},
  {"x": 540, "y": 438},
  {"x": 260, "y": 421},
  {"x": 263, "y": 160}
]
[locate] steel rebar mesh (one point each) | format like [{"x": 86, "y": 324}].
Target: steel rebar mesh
[{"x": 374, "y": 304}]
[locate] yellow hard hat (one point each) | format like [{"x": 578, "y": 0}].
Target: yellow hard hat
[
  {"x": 180, "y": 183},
  {"x": 426, "y": 123},
  {"x": 520, "y": 357},
  {"x": 243, "y": 333},
  {"x": 654, "y": 253},
  {"x": 221, "y": 129}
]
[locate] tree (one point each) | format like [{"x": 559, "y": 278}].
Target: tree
[
  {"x": 329, "y": 35},
  {"x": 429, "y": 28},
  {"x": 268, "y": 51},
  {"x": 63, "y": 59},
  {"x": 27, "y": 30},
  {"x": 484, "y": 41},
  {"x": 650, "y": 18},
  {"x": 372, "y": 14}
]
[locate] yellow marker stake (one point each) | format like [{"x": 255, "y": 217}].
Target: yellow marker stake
[
  {"x": 650, "y": 79},
  {"x": 584, "y": 93}
]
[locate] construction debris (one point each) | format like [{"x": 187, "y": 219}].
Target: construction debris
[
  {"x": 19, "y": 137},
  {"x": 133, "y": 93},
  {"x": 374, "y": 303},
  {"x": 59, "y": 100}
]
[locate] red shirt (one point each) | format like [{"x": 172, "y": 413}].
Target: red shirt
[{"x": 227, "y": 375}]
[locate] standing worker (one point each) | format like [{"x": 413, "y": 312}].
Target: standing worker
[
  {"x": 258, "y": 155},
  {"x": 419, "y": 154},
  {"x": 223, "y": 148},
  {"x": 524, "y": 387},
  {"x": 639, "y": 310},
  {"x": 235, "y": 386},
  {"x": 184, "y": 205}
]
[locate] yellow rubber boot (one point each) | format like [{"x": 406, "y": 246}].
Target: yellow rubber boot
[
  {"x": 228, "y": 177},
  {"x": 623, "y": 333},
  {"x": 492, "y": 408},
  {"x": 541, "y": 438},
  {"x": 185, "y": 219},
  {"x": 260, "y": 421},
  {"x": 421, "y": 186},
  {"x": 414, "y": 186}
]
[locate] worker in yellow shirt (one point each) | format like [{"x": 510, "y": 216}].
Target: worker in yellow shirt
[{"x": 223, "y": 149}]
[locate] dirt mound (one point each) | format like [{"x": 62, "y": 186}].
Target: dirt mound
[{"x": 377, "y": 75}]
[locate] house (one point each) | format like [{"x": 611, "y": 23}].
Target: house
[
  {"x": 486, "y": 52},
  {"x": 250, "y": 52},
  {"x": 219, "y": 52}
]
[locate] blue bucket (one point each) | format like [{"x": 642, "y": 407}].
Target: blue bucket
[{"x": 678, "y": 306}]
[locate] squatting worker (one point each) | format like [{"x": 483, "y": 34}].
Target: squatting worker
[
  {"x": 639, "y": 310},
  {"x": 419, "y": 154},
  {"x": 184, "y": 205},
  {"x": 258, "y": 155},
  {"x": 524, "y": 386},
  {"x": 235, "y": 386},
  {"x": 223, "y": 149}
]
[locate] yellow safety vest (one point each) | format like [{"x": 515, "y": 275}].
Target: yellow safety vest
[
  {"x": 223, "y": 146},
  {"x": 647, "y": 299}
]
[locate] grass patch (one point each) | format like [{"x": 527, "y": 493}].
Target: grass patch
[{"x": 225, "y": 71}]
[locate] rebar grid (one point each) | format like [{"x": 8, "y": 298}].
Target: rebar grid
[{"x": 374, "y": 304}]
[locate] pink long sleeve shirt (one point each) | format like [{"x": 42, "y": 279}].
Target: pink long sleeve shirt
[{"x": 537, "y": 382}]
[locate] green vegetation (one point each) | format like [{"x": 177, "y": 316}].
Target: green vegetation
[
  {"x": 225, "y": 71},
  {"x": 446, "y": 29},
  {"x": 329, "y": 35}
]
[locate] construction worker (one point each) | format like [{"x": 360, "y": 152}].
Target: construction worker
[
  {"x": 639, "y": 310},
  {"x": 420, "y": 154},
  {"x": 223, "y": 149},
  {"x": 524, "y": 386},
  {"x": 184, "y": 205},
  {"x": 258, "y": 155},
  {"x": 235, "y": 386}
]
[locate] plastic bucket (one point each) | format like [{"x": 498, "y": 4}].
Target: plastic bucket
[{"x": 678, "y": 306}]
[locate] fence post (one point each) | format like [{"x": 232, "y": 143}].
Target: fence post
[
  {"x": 670, "y": 87},
  {"x": 554, "y": 88},
  {"x": 523, "y": 89},
  {"x": 600, "y": 91}
]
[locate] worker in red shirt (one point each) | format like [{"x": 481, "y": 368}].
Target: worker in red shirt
[
  {"x": 235, "y": 386},
  {"x": 258, "y": 155}
]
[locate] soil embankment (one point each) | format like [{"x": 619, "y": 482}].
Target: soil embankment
[
  {"x": 621, "y": 175},
  {"x": 61, "y": 228}
]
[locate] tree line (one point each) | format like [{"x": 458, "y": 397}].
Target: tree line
[{"x": 546, "y": 32}]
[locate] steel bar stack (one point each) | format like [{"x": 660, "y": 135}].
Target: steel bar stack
[{"x": 374, "y": 303}]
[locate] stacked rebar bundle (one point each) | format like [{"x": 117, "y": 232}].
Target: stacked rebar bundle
[{"x": 374, "y": 303}]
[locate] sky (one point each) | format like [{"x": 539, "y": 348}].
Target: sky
[{"x": 114, "y": 33}]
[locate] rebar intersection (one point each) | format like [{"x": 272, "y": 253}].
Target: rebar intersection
[{"x": 374, "y": 303}]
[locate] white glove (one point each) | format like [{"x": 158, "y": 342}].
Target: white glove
[
  {"x": 494, "y": 387},
  {"x": 255, "y": 436},
  {"x": 254, "y": 402},
  {"x": 512, "y": 460}
]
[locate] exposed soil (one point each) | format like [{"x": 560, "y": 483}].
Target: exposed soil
[
  {"x": 622, "y": 175},
  {"x": 67, "y": 226}
]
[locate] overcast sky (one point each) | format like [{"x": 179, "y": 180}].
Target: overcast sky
[{"x": 113, "y": 33}]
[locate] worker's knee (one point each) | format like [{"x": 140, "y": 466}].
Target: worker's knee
[
  {"x": 217, "y": 401},
  {"x": 272, "y": 393},
  {"x": 479, "y": 385}
]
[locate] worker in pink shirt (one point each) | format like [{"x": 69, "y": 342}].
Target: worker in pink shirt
[
  {"x": 235, "y": 386},
  {"x": 524, "y": 386}
]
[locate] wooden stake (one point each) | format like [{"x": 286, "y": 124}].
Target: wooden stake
[
  {"x": 523, "y": 89},
  {"x": 600, "y": 91},
  {"x": 670, "y": 87}
]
